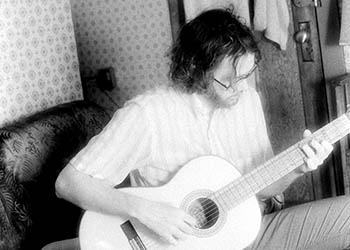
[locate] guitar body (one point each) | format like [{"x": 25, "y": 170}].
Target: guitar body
[{"x": 191, "y": 189}]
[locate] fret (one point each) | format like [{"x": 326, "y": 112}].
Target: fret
[
  {"x": 244, "y": 192},
  {"x": 268, "y": 177},
  {"x": 342, "y": 126},
  {"x": 265, "y": 174},
  {"x": 297, "y": 157},
  {"x": 333, "y": 131},
  {"x": 243, "y": 187},
  {"x": 336, "y": 133},
  {"x": 301, "y": 153},
  {"x": 262, "y": 174},
  {"x": 345, "y": 131},
  {"x": 278, "y": 166},
  {"x": 268, "y": 166},
  {"x": 236, "y": 195},
  {"x": 286, "y": 162},
  {"x": 325, "y": 135},
  {"x": 257, "y": 178},
  {"x": 224, "y": 203},
  {"x": 338, "y": 127},
  {"x": 224, "y": 199},
  {"x": 251, "y": 182},
  {"x": 232, "y": 195}
]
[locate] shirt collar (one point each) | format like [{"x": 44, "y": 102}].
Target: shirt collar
[{"x": 201, "y": 106}]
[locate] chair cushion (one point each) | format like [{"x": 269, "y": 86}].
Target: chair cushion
[{"x": 33, "y": 151}]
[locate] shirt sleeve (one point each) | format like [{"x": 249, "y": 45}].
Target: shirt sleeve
[
  {"x": 272, "y": 204},
  {"x": 122, "y": 146}
]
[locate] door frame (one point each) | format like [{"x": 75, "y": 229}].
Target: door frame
[{"x": 316, "y": 83}]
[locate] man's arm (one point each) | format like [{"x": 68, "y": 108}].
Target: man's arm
[
  {"x": 92, "y": 193},
  {"x": 95, "y": 194}
]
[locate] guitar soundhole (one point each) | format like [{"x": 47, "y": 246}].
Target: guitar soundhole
[{"x": 205, "y": 211}]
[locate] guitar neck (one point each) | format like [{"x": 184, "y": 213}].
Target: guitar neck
[{"x": 264, "y": 175}]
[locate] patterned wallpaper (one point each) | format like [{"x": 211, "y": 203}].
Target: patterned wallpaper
[
  {"x": 130, "y": 36},
  {"x": 38, "y": 60}
]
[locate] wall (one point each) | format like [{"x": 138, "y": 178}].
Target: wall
[
  {"x": 38, "y": 60},
  {"x": 347, "y": 58},
  {"x": 130, "y": 36},
  {"x": 346, "y": 48}
]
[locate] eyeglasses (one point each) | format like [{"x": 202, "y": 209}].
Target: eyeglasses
[{"x": 237, "y": 78}]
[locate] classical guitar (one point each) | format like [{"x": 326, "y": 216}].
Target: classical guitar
[{"x": 211, "y": 190}]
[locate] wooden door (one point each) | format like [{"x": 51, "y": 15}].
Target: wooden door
[{"x": 297, "y": 86}]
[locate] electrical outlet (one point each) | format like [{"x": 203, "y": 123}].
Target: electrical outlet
[{"x": 106, "y": 78}]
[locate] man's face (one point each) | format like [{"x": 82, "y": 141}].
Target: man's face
[{"x": 230, "y": 80}]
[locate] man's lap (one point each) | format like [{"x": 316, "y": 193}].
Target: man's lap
[{"x": 322, "y": 224}]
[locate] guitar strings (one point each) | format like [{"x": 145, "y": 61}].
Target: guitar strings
[{"x": 210, "y": 210}]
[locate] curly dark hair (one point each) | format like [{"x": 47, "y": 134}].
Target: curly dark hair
[{"x": 202, "y": 44}]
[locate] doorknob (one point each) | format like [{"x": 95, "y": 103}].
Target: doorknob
[
  {"x": 302, "y": 36},
  {"x": 306, "y": 3}
]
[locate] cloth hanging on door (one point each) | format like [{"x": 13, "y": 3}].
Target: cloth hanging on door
[
  {"x": 194, "y": 7},
  {"x": 272, "y": 18},
  {"x": 345, "y": 24}
]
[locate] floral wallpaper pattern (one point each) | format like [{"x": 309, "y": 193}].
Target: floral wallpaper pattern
[
  {"x": 38, "y": 60},
  {"x": 130, "y": 36}
]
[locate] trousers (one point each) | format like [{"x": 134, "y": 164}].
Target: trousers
[{"x": 316, "y": 225}]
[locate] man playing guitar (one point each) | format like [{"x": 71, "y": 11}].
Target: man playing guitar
[{"x": 209, "y": 110}]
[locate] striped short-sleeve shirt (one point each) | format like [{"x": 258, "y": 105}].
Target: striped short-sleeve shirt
[{"x": 157, "y": 132}]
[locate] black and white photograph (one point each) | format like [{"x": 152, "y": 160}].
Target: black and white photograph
[{"x": 174, "y": 124}]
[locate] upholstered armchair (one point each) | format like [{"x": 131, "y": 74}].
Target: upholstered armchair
[{"x": 33, "y": 151}]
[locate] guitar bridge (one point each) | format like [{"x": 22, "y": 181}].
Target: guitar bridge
[{"x": 132, "y": 236}]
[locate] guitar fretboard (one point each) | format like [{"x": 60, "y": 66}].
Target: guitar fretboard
[{"x": 264, "y": 175}]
